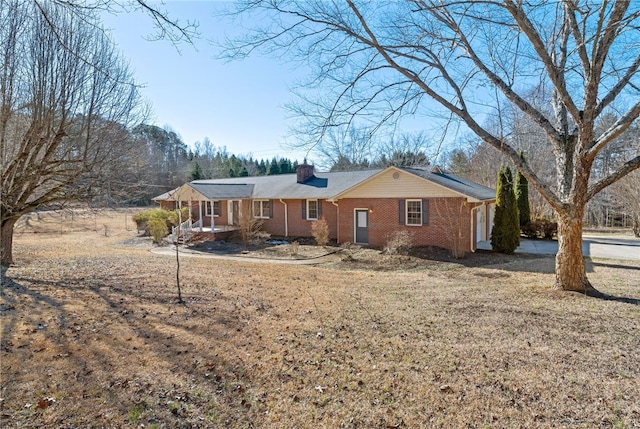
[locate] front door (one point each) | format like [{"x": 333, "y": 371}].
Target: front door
[
  {"x": 236, "y": 212},
  {"x": 362, "y": 226}
]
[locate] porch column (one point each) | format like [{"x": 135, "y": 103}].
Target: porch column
[
  {"x": 200, "y": 214},
  {"x": 179, "y": 222},
  {"x": 212, "y": 223}
]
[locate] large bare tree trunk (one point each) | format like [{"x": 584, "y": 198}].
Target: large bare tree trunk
[
  {"x": 571, "y": 273},
  {"x": 6, "y": 242}
]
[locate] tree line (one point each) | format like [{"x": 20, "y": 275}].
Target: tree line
[{"x": 164, "y": 162}]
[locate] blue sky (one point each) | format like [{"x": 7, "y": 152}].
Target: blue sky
[{"x": 237, "y": 104}]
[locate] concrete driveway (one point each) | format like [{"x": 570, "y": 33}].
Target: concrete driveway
[{"x": 610, "y": 247}]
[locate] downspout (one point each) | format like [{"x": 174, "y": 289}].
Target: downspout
[
  {"x": 337, "y": 221},
  {"x": 286, "y": 219}
]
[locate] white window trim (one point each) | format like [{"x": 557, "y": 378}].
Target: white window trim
[
  {"x": 309, "y": 217},
  {"x": 208, "y": 207},
  {"x": 261, "y": 216},
  {"x": 406, "y": 212}
]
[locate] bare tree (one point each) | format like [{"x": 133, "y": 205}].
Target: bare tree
[
  {"x": 66, "y": 97},
  {"x": 470, "y": 60},
  {"x": 347, "y": 148},
  {"x": 626, "y": 194},
  {"x": 165, "y": 27},
  {"x": 481, "y": 162},
  {"x": 406, "y": 150},
  {"x": 357, "y": 148}
]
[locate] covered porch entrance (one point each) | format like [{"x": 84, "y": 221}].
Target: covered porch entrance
[{"x": 213, "y": 208}]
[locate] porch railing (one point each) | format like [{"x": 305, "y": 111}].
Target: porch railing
[{"x": 186, "y": 228}]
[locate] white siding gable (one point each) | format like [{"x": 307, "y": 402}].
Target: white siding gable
[{"x": 394, "y": 183}]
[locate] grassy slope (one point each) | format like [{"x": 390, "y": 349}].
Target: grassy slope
[{"x": 93, "y": 324}]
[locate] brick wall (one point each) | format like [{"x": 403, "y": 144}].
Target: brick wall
[
  {"x": 448, "y": 218},
  {"x": 167, "y": 205},
  {"x": 298, "y": 226}
]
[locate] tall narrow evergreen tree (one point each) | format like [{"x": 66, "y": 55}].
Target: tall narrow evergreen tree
[
  {"x": 522, "y": 196},
  {"x": 505, "y": 235},
  {"x": 498, "y": 215}
]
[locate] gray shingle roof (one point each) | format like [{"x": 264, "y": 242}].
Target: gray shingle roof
[
  {"x": 219, "y": 191},
  {"x": 166, "y": 196},
  {"x": 320, "y": 186}
]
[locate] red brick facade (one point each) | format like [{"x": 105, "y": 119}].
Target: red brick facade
[
  {"x": 298, "y": 224},
  {"x": 449, "y": 220}
]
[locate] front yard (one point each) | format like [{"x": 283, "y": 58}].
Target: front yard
[{"x": 92, "y": 336}]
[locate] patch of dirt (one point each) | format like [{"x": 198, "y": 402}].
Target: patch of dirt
[
  {"x": 357, "y": 257},
  {"x": 268, "y": 249}
]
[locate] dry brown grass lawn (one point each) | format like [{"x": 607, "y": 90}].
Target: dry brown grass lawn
[{"x": 92, "y": 336}]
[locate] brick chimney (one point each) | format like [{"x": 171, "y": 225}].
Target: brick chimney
[{"x": 304, "y": 172}]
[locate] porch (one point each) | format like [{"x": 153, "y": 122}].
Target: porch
[{"x": 187, "y": 229}]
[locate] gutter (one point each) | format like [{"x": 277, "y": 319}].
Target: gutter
[{"x": 286, "y": 219}]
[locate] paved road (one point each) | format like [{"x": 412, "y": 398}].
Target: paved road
[{"x": 610, "y": 247}]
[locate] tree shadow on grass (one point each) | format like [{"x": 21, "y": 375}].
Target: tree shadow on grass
[
  {"x": 531, "y": 263},
  {"x": 112, "y": 347}
]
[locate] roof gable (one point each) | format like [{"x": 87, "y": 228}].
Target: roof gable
[
  {"x": 473, "y": 191},
  {"x": 405, "y": 182}
]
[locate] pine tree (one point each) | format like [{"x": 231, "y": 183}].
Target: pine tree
[
  {"x": 196, "y": 172},
  {"x": 284, "y": 166},
  {"x": 262, "y": 168},
  {"x": 505, "y": 235},
  {"x": 522, "y": 196},
  {"x": 273, "y": 167}
]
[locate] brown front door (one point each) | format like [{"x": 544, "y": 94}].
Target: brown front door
[{"x": 362, "y": 227}]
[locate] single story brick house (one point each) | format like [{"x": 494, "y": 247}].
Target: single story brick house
[{"x": 362, "y": 207}]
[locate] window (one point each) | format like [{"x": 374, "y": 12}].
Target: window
[
  {"x": 262, "y": 209},
  {"x": 414, "y": 212},
  {"x": 312, "y": 209},
  {"x": 217, "y": 206}
]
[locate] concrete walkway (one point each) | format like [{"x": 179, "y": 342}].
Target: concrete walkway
[
  {"x": 597, "y": 246},
  {"x": 171, "y": 251}
]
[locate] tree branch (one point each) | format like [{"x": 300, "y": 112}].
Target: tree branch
[{"x": 619, "y": 173}]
